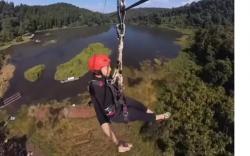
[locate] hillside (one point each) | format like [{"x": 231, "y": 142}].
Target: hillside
[
  {"x": 21, "y": 19},
  {"x": 203, "y": 14}
]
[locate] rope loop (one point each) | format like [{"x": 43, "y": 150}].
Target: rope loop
[{"x": 120, "y": 29}]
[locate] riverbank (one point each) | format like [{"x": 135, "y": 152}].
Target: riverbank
[
  {"x": 7, "y": 45},
  {"x": 186, "y": 38},
  {"x": 136, "y": 81},
  {"x": 65, "y": 28},
  {"x": 6, "y": 74},
  {"x": 26, "y": 39}
]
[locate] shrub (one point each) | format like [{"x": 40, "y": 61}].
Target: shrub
[
  {"x": 19, "y": 39},
  {"x": 34, "y": 73}
]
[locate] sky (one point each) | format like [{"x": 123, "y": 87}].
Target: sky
[{"x": 99, "y": 5}]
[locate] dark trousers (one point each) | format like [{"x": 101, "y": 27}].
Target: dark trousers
[{"x": 136, "y": 111}]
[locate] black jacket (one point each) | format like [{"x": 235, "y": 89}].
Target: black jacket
[{"x": 102, "y": 97}]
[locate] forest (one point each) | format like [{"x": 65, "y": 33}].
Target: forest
[
  {"x": 202, "y": 14},
  {"x": 21, "y": 19}
]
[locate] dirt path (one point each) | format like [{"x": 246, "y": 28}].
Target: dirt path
[
  {"x": 42, "y": 113},
  {"x": 79, "y": 112}
]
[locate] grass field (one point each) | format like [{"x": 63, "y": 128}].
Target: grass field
[
  {"x": 60, "y": 136},
  {"x": 77, "y": 66}
]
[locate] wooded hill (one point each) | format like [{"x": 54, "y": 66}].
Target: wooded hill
[
  {"x": 17, "y": 20},
  {"x": 204, "y": 13}
]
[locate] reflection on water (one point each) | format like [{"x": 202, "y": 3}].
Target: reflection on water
[{"x": 57, "y": 47}]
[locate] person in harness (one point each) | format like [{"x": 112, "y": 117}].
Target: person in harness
[{"x": 109, "y": 105}]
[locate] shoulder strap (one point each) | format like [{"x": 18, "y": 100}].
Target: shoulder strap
[
  {"x": 95, "y": 83},
  {"x": 116, "y": 95}
]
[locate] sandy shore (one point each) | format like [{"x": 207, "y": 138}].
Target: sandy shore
[{"x": 6, "y": 73}]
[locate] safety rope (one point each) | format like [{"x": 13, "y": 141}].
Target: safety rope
[
  {"x": 117, "y": 77},
  {"x": 120, "y": 29}
]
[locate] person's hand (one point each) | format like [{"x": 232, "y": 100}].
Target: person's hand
[{"x": 124, "y": 147}]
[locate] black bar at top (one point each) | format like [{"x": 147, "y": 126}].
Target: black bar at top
[{"x": 136, "y": 4}]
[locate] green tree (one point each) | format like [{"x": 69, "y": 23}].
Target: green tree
[
  {"x": 218, "y": 72},
  {"x": 7, "y": 32},
  {"x": 202, "y": 116}
]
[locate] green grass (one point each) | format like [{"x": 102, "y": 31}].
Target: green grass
[
  {"x": 77, "y": 66},
  {"x": 23, "y": 125},
  {"x": 187, "y": 35},
  {"x": 82, "y": 137},
  {"x": 78, "y": 137},
  {"x": 3, "y": 115},
  {"x": 34, "y": 73},
  {"x": 186, "y": 39}
]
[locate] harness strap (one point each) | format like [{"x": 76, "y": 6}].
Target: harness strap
[{"x": 118, "y": 98}]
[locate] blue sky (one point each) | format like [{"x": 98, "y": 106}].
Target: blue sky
[{"x": 98, "y": 5}]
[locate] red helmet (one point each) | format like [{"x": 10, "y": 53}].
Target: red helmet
[{"x": 97, "y": 61}]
